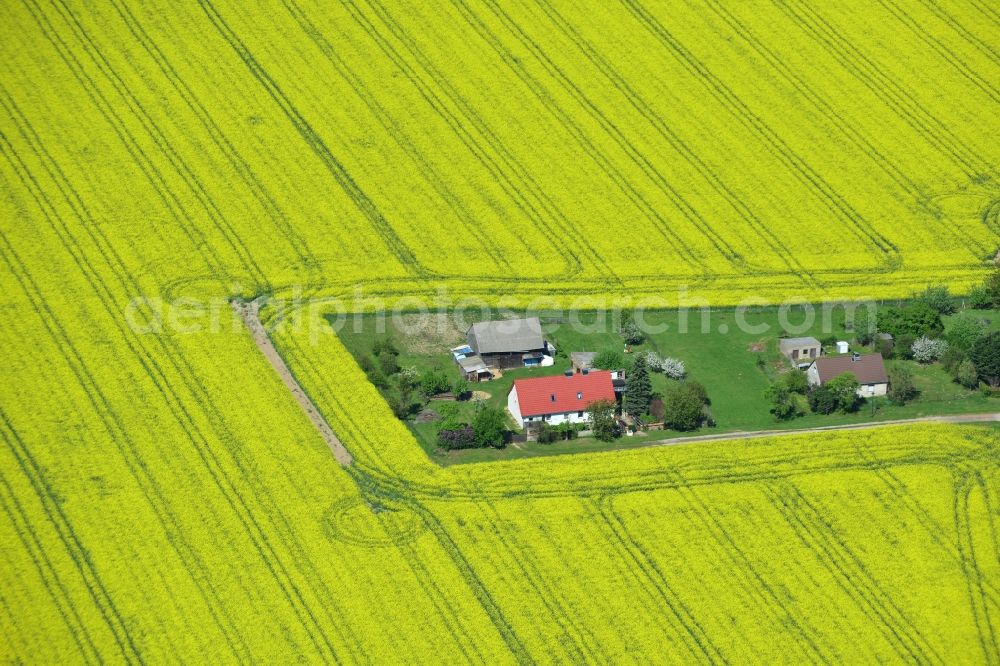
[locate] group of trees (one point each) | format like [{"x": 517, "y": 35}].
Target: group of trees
[
  {"x": 629, "y": 329},
  {"x": 986, "y": 296},
  {"x": 406, "y": 389},
  {"x": 966, "y": 351},
  {"x": 682, "y": 407},
  {"x": 788, "y": 393},
  {"x": 782, "y": 394},
  {"x": 488, "y": 429}
]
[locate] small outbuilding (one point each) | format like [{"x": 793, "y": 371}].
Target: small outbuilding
[
  {"x": 843, "y": 347},
  {"x": 582, "y": 360},
  {"x": 800, "y": 351},
  {"x": 868, "y": 369}
]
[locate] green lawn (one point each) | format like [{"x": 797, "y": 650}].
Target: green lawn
[{"x": 716, "y": 350}]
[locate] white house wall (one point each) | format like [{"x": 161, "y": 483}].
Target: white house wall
[{"x": 514, "y": 407}]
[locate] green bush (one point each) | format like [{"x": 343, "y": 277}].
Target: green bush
[
  {"x": 985, "y": 353},
  {"x": 901, "y": 386},
  {"x": 796, "y": 381},
  {"x": 434, "y": 382},
  {"x": 951, "y": 359},
  {"x": 938, "y": 297},
  {"x": 963, "y": 331},
  {"x": 838, "y": 394},
  {"x": 684, "y": 407},
  {"x": 914, "y": 320},
  {"x": 490, "y": 425},
  {"x": 980, "y": 298},
  {"x": 967, "y": 375},
  {"x": 610, "y": 359},
  {"x": 602, "y": 420},
  {"x": 784, "y": 405}
]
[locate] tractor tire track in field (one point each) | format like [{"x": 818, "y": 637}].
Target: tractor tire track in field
[
  {"x": 941, "y": 48},
  {"x": 663, "y": 226},
  {"x": 954, "y": 24},
  {"x": 154, "y": 495},
  {"x": 990, "y": 490},
  {"x": 581, "y": 570},
  {"x": 766, "y": 597},
  {"x": 846, "y": 128},
  {"x": 885, "y": 88},
  {"x": 669, "y": 624},
  {"x": 577, "y": 639},
  {"x": 258, "y": 189},
  {"x": 965, "y": 481},
  {"x": 472, "y": 226},
  {"x": 888, "y": 253},
  {"x": 72, "y": 543},
  {"x": 941, "y": 535},
  {"x": 195, "y": 236},
  {"x": 105, "y": 297},
  {"x": 611, "y": 129},
  {"x": 442, "y": 601},
  {"x": 662, "y": 128},
  {"x": 986, "y": 10},
  {"x": 700, "y": 643},
  {"x": 228, "y": 488},
  {"x": 404, "y": 255},
  {"x": 151, "y": 129},
  {"x": 818, "y": 535},
  {"x": 475, "y": 584},
  {"x": 495, "y": 156},
  {"x": 27, "y": 534},
  {"x": 401, "y": 492}
]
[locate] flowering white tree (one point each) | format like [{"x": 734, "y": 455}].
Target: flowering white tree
[
  {"x": 653, "y": 361},
  {"x": 926, "y": 350},
  {"x": 673, "y": 368}
]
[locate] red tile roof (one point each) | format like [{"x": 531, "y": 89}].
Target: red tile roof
[{"x": 559, "y": 394}]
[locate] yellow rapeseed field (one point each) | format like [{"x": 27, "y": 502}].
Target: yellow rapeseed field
[{"x": 163, "y": 498}]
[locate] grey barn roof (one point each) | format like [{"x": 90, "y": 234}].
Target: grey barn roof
[{"x": 507, "y": 335}]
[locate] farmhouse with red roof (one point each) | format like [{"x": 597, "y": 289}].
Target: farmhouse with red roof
[{"x": 560, "y": 398}]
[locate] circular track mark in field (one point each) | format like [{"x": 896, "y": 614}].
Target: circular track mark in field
[{"x": 356, "y": 522}]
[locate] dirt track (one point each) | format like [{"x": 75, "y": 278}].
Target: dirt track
[
  {"x": 750, "y": 434},
  {"x": 250, "y": 314}
]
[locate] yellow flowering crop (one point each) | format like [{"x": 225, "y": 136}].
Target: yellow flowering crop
[{"x": 164, "y": 499}]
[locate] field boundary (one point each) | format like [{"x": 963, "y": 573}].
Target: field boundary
[
  {"x": 250, "y": 314},
  {"x": 751, "y": 434}
]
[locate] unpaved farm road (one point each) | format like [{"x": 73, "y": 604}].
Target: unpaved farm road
[
  {"x": 750, "y": 434},
  {"x": 250, "y": 314}
]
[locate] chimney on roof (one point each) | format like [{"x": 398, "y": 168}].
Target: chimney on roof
[
  {"x": 585, "y": 371},
  {"x": 855, "y": 357},
  {"x": 568, "y": 373}
]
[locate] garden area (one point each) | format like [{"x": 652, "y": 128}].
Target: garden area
[{"x": 719, "y": 369}]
